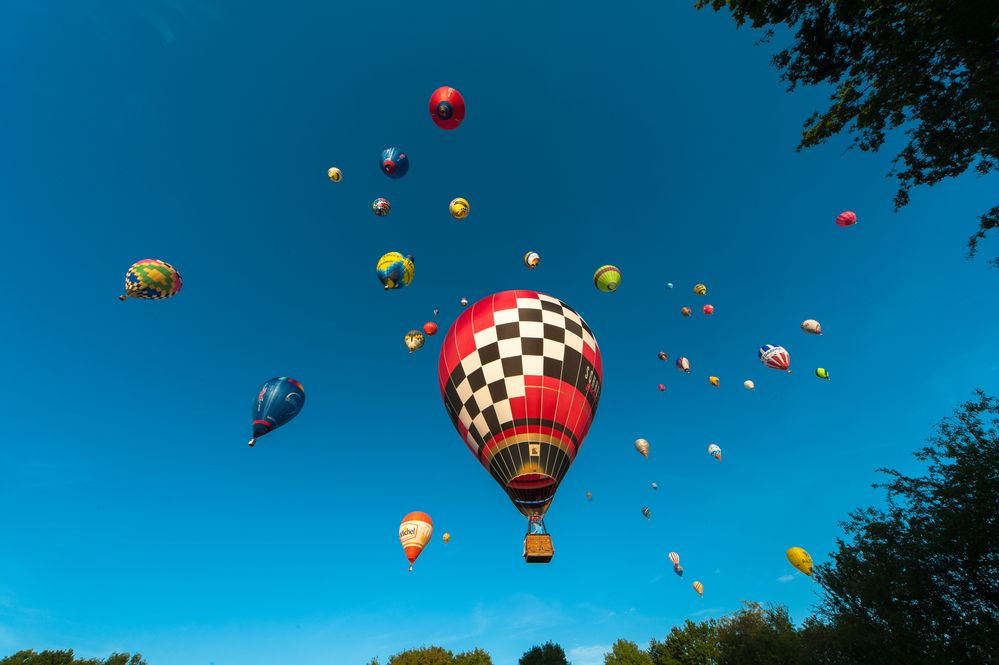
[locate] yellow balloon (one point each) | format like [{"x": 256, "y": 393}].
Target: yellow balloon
[
  {"x": 334, "y": 174},
  {"x": 447, "y": 538},
  {"x": 459, "y": 208},
  {"x": 700, "y": 289},
  {"x": 799, "y": 559},
  {"x": 713, "y": 380}
]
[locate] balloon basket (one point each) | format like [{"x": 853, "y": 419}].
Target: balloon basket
[{"x": 538, "y": 548}]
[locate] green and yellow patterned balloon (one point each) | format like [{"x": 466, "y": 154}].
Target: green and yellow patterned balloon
[
  {"x": 395, "y": 270},
  {"x": 151, "y": 279},
  {"x": 607, "y": 278}
]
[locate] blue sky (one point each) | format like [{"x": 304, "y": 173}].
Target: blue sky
[{"x": 135, "y": 517}]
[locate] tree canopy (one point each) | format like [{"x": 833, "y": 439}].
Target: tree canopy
[
  {"x": 68, "y": 658},
  {"x": 929, "y": 68},
  {"x": 548, "y": 653},
  {"x": 627, "y": 653}
]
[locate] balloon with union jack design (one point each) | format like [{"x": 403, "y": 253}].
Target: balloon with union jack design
[{"x": 775, "y": 357}]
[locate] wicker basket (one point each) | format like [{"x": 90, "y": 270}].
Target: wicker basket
[{"x": 538, "y": 548}]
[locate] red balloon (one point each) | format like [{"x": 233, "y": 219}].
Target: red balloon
[
  {"x": 708, "y": 309},
  {"x": 430, "y": 328},
  {"x": 447, "y": 107},
  {"x": 662, "y": 388},
  {"x": 847, "y": 218}
]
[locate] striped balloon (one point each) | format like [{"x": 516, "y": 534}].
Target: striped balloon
[
  {"x": 683, "y": 364},
  {"x": 675, "y": 558},
  {"x": 846, "y": 218},
  {"x": 775, "y": 357},
  {"x": 699, "y": 588},
  {"x": 414, "y": 534}
]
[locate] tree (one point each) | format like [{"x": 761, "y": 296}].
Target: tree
[
  {"x": 918, "y": 581},
  {"x": 928, "y": 66},
  {"x": 759, "y": 635},
  {"x": 422, "y": 656},
  {"x": 546, "y": 654},
  {"x": 473, "y": 657},
  {"x": 691, "y": 644},
  {"x": 626, "y": 653},
  {"x": 67, "y": 657}
]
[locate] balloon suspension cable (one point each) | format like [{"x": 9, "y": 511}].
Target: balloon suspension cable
[{"x": 536, "y": 525}]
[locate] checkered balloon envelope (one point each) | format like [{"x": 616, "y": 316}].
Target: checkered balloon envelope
[{"x": 520, "y": 374}]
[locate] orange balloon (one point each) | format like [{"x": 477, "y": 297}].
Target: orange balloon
[{"x": 414, "y": 534}]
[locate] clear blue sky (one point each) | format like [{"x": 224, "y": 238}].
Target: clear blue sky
[{"x": 134, "y": 517}]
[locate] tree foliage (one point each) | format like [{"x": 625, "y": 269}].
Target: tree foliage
[
  {"x": 423, "y": 656},
  {"x": 626, "y": 653},
  {"x": 689, "y": 644},
  {"x": 918, "y": 581},
  {"x": 927, "y": 67},
  {"x": 68, "y": 658},
  {"x": 759, "y": 635},
  {"x": 473, "y": 657},
  {"x": 546, "y": 654}
]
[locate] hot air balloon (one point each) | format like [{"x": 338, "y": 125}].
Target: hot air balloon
[
  {"x": 607, "y": 278},
  {"x": 430, "y": 328},
  {"x": 381, "y": 207},
  {"x": 151, "y": 279},
  {"x": 414, "y": 534},
  {"x": 395, "y": 271},
  {"x": 464, "y": 302},
  {"x": 683, "y": 364},
  {"x": 748, "y": 385},
  {"x": 846, "y": 218},
  {"x": 713, "y": 380},
  {"x": 414, "y": 340},
  {"x": 447, "y": 107},
  {"x": 663, "y": 356},
  {"x": 675, "y": 558},
  {"x": 822, "y": 373},
  {"x": 700, "y": 289},
  {"x": 699, "y": 588},
  {"x": 589, "y": 496},
  {"x": 678, "y": 569},
  {"x": 395, "y": 163},
  {"x": 811, "y": 326},
  {"x": 459, "y": 208},
  {"x": 685, "y": 311},
  {"x": 532, "y": 259},
  {"x": 334, "y": 174},
  {"x": 799, "y": 559},
  {"x": 642, "y": 446},
  {"x": 715, "y": 451},
  {"x": 278, "y": 402},
  {"x": 655, "y": 486},
  {"x": 669, "y": 286},
  {"x": 662, "y": 388},
  {"x": 775, "y": 357},
  {"x": 436, "y": 311},
  {"x": 522, "y": 395},
  {"x": 708, "y": 309},
  {"x": 647, "y": 512},
  {"x": 446, "y": 537}
]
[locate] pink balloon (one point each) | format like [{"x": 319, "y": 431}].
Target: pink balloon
[{"x": 846, "y": 218}]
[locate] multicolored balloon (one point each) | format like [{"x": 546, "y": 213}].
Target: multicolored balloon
[
  {"x": 775, "y": 357},
  {"x": 822, "y": 373},
  {"x": 846, "y": 218},
  {"x": 395, "y": 163},
  {"x": 415, "y": 532},
  {"x": 459, "y": 208},
  {"x": 334, "y": 174},
  {"x": 607, "y": 278},
  {"x": 715, "y": 451},
  {"x": 748, "y": 385},
  {"x": 414, "y": 340},
  {"x": 701, "y": 289},
  {"x": 699, "y": 588},
  {"x": 683, "y": 365},
  {"x": 151, "y": 279},
  {"x": 527, "y": 428},
  {"x": 811, "y": 326},
  {"x": 278, "y": 402},
  {"x": 532, "y": 259},
  {"x": 381, "y": 207},
  {"x": 447, "y": 108},
  {"x": 430, "y": 328},
  {"x": 642, "y": 446},
  {"x": 395, "y": 271},
  {"x": 708, "y": 309},
  {"x": 800, "y": 559}
]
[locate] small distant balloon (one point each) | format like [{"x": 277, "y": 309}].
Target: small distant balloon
[
  {"x": 395, "y": 163},
  {"x": 675, "y": 558},
  {"x": 464, "y": 302},
  {"x": 436, "y": 311},
  {"x": 685, "y": 311},
  {"x": 459, "y": 208},
  {"x": 715, "y": 451},
  {"x": 699, "y": 588},
  {"x": 642, "y": 446},
  {"x": 811, "y": 326},
  {"x": 748, "y": 385},
  {"x": 414, "y": 340},
  {"x": 647, "y": 512},
  {"x": 713, "y": 380},
  {"x": 678, "y": 569},
  {"x": 662, "y": 355},
  {"x": 334, "y": 174},
  {"x": 532, "y": 259},
  {"x": 700, "y": 289},
  {"x": 607, "y": 278},
  {"x": 446, "y": 537},
  {"x": 846, "y": 218},
  {"x": 381, "y": 207},
  {"x": 662, "y": 388},
  {"x": 708, "y": 309},
  {"x": 589, "y": 496},
  {"x": 669, "y": 285},
  {"x": 655, "y": 486},
  {"x": 683, "y": 364},
  {"x": 775, "y": 357},
  {"x": 822, "y": 373},
  {"x": 430, "y": 328}
]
